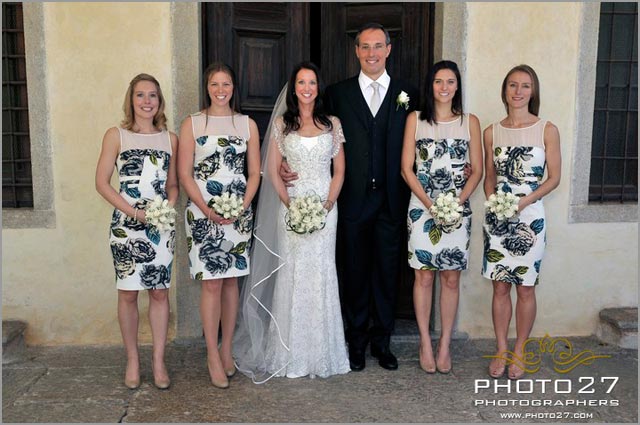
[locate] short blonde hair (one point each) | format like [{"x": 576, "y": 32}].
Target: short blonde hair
[{"x": 159, "y": 120}]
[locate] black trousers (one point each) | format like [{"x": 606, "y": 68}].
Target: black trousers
[{"x": 370, "y": 256}]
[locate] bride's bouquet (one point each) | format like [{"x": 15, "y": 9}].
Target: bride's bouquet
[
  {"x": 446, "y": 209},
  {"x": 227, "y": 205},
  {"x": 160, "y": 214},
  {"x": 502, "y": 204},
  {"x": 306, "y": 214}
]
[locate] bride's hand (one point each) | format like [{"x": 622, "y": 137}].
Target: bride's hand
[{"x": 328, "y": 205}]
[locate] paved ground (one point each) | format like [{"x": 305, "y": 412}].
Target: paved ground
[{"x": 84, "y": 384}]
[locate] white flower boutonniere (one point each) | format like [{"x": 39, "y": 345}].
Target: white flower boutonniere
[{"x": 402, "y": 100}]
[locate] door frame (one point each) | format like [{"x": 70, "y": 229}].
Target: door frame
[{"x": 184, "y": 98}]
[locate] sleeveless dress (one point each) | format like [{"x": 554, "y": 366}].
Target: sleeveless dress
[
  {"x": 218, "y": 251},
  {"x": 514, "y": 247},
  {"x": 142, "y": 255},
  {"x": 441, "y": 154},
  {"x": 306, "y": 303}
]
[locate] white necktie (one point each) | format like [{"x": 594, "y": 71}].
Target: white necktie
[{"x": 375, "y": 99}]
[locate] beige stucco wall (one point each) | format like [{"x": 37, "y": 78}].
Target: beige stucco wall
[
  {"x": 587, "y": 266},
  {"x": 61, "y": 280}
]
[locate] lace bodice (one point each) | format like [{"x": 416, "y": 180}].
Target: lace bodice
[{"x": 310, "y": 157}]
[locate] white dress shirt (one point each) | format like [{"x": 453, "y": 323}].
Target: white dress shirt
[{"x": 367, "y": 91}]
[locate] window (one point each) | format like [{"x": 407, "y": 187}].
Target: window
[
  {"x": 614, "y": 151},
  {"x": 17, "y": 188}
]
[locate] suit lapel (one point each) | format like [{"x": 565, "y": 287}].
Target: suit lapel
[
  {"x": 393, "y": 114},
  {"x": 358, "y": 103}
]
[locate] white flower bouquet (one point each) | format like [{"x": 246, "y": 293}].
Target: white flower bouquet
[
  {"x": 160, "y": 214},
  {"x": 306, "y": 214},
  {"x": 502, "y": 204},
  {"x": 446, "y": 209},
  {"x": 227, "y": 205},
  {"x": 402, "y": 100}
]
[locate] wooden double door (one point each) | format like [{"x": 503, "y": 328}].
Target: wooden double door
[{"x": 264, "y": 41}]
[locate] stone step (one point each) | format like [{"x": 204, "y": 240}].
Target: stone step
[
  {"x": 406, "y": 331},
  {"x": 13, "y": 346},
  {"x": 619, "y": 326}
]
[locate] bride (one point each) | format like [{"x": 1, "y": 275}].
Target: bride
[{"x": 290, "y": 322}]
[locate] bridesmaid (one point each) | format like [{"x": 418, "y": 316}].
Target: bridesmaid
[
  {"x": 516, "y": 150},
  {"x": 214, "y": 147},
  {"x": 142, "y": 151},
  {"x": 437, "y": 142}
]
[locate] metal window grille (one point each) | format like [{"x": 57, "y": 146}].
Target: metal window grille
[
  {"x": 17, "y": 187},
  {"x": 614, "y": 150}
]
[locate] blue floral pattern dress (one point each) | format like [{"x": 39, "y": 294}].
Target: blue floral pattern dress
[
  {"x": 219, "y": 251},
  {"x": 142, "y": 255},
  {"x": 441, "y": 154},
  {"x": 514, "y": 247}
]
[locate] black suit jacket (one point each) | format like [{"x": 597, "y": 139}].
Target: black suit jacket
[{"x": 345, "y": 100}]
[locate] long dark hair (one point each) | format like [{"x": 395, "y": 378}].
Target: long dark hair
[
  {"x": 534, "y": 101},
  {"x": 292, "y": 115},
  {"x": 428, "y": 107}
]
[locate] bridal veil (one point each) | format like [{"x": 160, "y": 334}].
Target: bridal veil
[{"x": 255, "y": 313}]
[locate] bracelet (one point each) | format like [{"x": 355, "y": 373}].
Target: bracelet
[{"x": 135, "y": 215}]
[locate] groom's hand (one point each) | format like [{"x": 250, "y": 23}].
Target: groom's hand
[
  {"x": 287, "y": 175},
  {"x": 467, "y": 170}
]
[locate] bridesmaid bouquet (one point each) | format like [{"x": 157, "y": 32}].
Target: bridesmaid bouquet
[
  {"x": 446, "y": 209},
  {"x": 160, "y": 214},
  {"x": 306, "y": 214},
  {"x": 227, "y": 205},
  {"x": 502, "y": 204}
]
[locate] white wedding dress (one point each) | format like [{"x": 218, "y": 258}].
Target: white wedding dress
[{"x": 307, "y": 336}]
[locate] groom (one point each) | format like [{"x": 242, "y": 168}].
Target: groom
[{"x": 374, "y": 198}]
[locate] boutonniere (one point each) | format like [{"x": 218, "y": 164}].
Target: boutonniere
[{"x": 402, "y": 100}]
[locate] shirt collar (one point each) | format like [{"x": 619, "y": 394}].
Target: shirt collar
[{"x": 365, "y": 81}]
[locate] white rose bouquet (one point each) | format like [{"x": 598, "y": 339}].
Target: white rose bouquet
[
  {"x": 446, "y": 209},
  {"x": 306, "y": 214},
  {"x": 227, "y": 205},
  {"x": 503, "y": 204},
  {"x": 160, "y": 214}
]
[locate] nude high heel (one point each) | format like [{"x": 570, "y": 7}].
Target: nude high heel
[
  {"x": 218, "y": 384},
  {"x": 161, "y": 384}
]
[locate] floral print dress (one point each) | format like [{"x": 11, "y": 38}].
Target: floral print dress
[
  {"x": 441, "y": 153},
  {"x": 514, "y": 247},
  {"x": 142, "y": 255},
  {"x": 219, "y": 251}
]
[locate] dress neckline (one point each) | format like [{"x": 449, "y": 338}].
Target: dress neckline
[
  {"x": 449, "y": 122},
  {"x": 144, "y": 134},
  {"x": 310, "y": 137},
  {"x": 223, "y": 116},
  {"x": 520, "y": 128}
]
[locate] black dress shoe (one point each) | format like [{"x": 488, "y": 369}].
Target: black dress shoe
[
  {"x": 385, "y": 357},
  {"x": 356, "y": 360}
]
